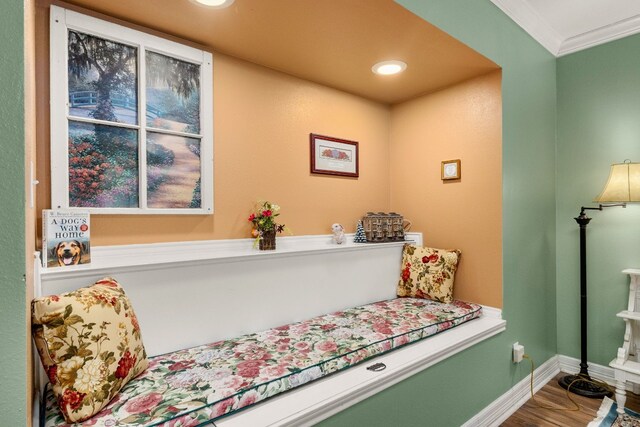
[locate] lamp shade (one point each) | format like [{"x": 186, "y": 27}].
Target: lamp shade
[{"x": 623, "y": 184}]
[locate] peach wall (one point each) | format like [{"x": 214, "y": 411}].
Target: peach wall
[
  {"x": 262, "y": 120},
  {"x": 460, "y": 122}
]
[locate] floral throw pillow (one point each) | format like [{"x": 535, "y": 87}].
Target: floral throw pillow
[
  {"x": 428, "y": 273},
  {"x": 89, "y": 344}
]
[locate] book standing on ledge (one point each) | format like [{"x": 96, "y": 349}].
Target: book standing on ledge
[{"x": 65, "y": 238}]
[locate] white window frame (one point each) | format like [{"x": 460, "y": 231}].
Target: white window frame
[{"x": 62, "y": 20}]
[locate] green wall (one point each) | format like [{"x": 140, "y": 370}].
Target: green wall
[
  {"x": 598, "y": 124},
  {"x": 453, "y": 391},
  {"x": 12, "y": 225},
  {"x": 598, "y": 105}
]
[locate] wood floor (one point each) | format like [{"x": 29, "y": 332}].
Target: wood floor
[{"x": 530, "y": 415}]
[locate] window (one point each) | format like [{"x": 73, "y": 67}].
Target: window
[{"x": 131, "y": 120}]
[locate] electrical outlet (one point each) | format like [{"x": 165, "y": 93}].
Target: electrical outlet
[{"x": 518, "y": 352}]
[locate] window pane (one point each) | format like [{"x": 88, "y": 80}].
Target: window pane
[
  {"x": 173, "y": 171},
  {"x": 173, "y": 93},
  {"x": 103, "y": 80},
  {"x": 103, "y": 166}
]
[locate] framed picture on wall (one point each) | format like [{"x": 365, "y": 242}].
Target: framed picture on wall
[
  {"x": 450, "y": 169},
  {"x": 126, "y": 129},
  {"x": 334, "y": 156}
]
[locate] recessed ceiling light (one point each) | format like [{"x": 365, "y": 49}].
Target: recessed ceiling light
[
  {"x": 386, "y": 68},
  {"x": 216, "y": 4}
]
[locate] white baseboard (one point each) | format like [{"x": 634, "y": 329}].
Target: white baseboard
[
  {"x": 571, "y": 365},
  {"x": 504, "y": 406},
  {"x": 507, "y": 404}
]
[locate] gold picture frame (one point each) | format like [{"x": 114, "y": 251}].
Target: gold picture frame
[{"x": 450, "y": 169}]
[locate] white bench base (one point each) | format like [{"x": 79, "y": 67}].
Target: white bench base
[
  {"x": 200, "y": 292},
  {"x": 308, "y": 405}
]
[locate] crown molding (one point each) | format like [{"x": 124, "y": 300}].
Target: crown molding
[
  {"x": 598, "y": 36},
  {"x": 521, "y": 12},
  {"x": 529, "y": 20}
]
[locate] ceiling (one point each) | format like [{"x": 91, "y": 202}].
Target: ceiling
[
  {"x": 567, "y": 26},
  {"x": 331, "y": 42}
]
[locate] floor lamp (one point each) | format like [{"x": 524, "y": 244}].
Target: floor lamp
[{"x": 622, "y": 187}]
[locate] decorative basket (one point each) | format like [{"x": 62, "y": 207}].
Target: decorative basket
[
  {"x": 268, "y": 240},
  {"x": 383, "y": 227}
]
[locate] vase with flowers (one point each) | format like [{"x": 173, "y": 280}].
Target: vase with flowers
[{"x": 263, "y": 220}]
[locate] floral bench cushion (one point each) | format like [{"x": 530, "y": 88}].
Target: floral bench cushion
[{"x": 189, "y": 387}]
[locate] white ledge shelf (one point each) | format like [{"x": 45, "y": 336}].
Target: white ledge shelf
[{"x": 155, "y": 255}]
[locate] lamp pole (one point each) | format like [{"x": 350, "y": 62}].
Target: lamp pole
[
  {"x": 582, "y": 384},
  {"x": 583, "y": 221}
]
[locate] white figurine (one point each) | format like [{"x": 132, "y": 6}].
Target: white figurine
[{"x": 338, "y": 234}]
